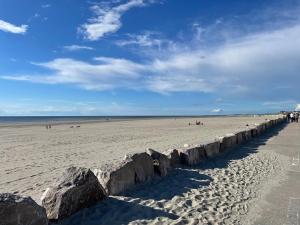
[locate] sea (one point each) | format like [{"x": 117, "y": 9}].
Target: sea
[{"x": 42, "y": 120}]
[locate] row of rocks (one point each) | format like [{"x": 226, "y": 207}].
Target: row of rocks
[{"x": 79, "y": 188}]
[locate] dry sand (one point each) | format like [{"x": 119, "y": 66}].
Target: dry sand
[
  {"x": 221, "y": 191},
  {"x": 32, "y": 157}
]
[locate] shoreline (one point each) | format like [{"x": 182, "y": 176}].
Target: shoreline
[{"x": 103, "y": 119}]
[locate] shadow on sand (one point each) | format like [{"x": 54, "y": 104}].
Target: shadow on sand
[
  {"x": 115, "y": 212},
  {"x": 179, "y": 181}
]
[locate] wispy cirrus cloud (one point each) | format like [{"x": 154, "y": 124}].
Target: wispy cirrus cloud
[
  {"x": 46, "y": 6},
  {"x": 11, "y": 28},
  {"x": 102, "y": 74},
  {"x": 73, "y": 48},
  {"x": 107, "y": 19},
  {"x": 146, "y": 39},
  {"x": 255, "y": 65}
]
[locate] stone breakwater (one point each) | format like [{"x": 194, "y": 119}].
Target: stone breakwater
[{"x": 80, "y": 188}]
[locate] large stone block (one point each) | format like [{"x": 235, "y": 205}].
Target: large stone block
[
  {"x": 161, "y": 162},
  {"x": 192, "y": 155},
  {"x": 228, "y": 142},
  {"x": 77, "y": 188},
  {"x": 269, "y": 124},
  {"x": 120, "y": 176},
  {"x": 254, "y": 132},
  {"x": 260, "y": 128},
  {"x": 19, "y": 210},
  {"x": 264, "y": 126},
  {"x": 239, "y": 137},
  {"x": 173, "y": 156},
  {"x": 246, "y": 135},
  {"x": 116, "y": 177},
  {"x": 212, "y": 149},
  {"x": 143, "y": 165}
]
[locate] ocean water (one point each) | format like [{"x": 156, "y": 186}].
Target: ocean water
[
  {"x": 33, "y": 120},
  {"x": 42, "y": 120},
  {"x": 7, "y": 120}
]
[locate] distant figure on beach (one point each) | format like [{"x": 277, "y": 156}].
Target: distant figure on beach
[
  {"x": 297, "y": 117},
  {"x": 288, "y": 117},
  {"x": 46, "y": 127},
  {"x": 198, "y": 123},
  {"x": 292, "y": 117}
]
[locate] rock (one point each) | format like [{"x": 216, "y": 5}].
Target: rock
[
  {"x": 272, "y": 122},
  {"x": 120, "y": 176},
  {"x": 239, "y": 137},
  {"x": 117, "y": 177},
  {"x": 212, "y": 149},
  {"x": 246, "y": 135},
  {"x": 260, "y": 128},
  {"x": 143, "y": 165},
  {"x": 186, "y": 145},
  {"x": 254, "y": 132},
  {"x": 162, "y": 164},
  {"x": 269, "y": 124},
  {"x": 173, "y": 156},
  {"x": 19, "y": 210},
  {"x": 77, "y": 188},
  {"x": 192, "y": 156},
  {"x": 263, "y": 127},
  {"x": 228, "y": 142}
]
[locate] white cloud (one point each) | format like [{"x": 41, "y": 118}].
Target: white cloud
[
  {"x": 297, "y": 107},
  {"x": 146, "y": 39},
  {"x": 216, "y": 110},
  {"x": 279, "y": 104},
  {"x": 103, "y": 74},
  {"x": 262, "y": 66},
  {"x": 107, "y": 20},
  {"x": 8, "y": 27},
  {"x": 46, "y": 6},
  {"x": 77, "y": 47}
]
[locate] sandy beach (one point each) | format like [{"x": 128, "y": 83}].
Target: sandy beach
[
  {"x": 225, "y": 190},
  {"x": 33, "y": 157},
  {"x": 149, "y": 112}
]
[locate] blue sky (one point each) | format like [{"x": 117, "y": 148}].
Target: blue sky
[{"x": 149, "y": 57}]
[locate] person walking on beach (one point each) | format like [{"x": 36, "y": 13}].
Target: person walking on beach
[
  {"x": 297, "y": 117},
  {"x": 291, "y": 117}
]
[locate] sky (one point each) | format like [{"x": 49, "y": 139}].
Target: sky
[{"x": 149, "y": 57}]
